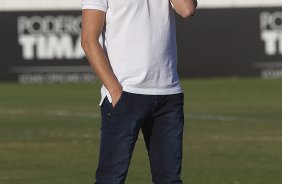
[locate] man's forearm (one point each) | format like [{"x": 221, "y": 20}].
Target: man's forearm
[
  {"x": 184, "y": 8},
  {"x": 99, "y": 63}
]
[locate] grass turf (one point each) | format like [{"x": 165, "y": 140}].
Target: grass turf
[{"x": 49, "y": 134}]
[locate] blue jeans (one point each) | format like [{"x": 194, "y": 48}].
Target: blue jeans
[{"x": 161, "y": 119}]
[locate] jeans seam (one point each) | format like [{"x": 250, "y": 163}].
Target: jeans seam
[{"x": 155, "y": 103}]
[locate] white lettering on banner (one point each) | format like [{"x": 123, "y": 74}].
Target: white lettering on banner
[
  {"x": 29, "y": 78},
  {"x": 50, "y": 47},
  {"x": 27, "y": 43},
  {"x": 271, "y": 74},
  {"x": 271, "y": 32},
  {"x": 273, "y": 42},
  {"x": 50, "y": 37},
  {"x": 49, "y": 24}
]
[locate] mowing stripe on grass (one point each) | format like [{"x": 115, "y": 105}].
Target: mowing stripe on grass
[{"x": 61, "y": 112}]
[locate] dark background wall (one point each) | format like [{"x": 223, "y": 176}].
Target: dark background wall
[{"x": 231, "y": 42}]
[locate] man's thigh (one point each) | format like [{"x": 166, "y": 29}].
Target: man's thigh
[{"x": 119, "y": 131}]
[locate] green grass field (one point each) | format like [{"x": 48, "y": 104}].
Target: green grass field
[{"x": 49, "y": 134}]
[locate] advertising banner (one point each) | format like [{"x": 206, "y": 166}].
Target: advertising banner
[{"x": 44, "y": 46}]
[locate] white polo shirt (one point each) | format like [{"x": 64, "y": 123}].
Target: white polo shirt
[{"x": 139, "y": 39}]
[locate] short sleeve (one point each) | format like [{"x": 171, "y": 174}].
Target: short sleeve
[{"x": 95, "y": 4}]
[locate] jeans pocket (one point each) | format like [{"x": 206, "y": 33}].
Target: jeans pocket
[{"x": 114, "y": 108}]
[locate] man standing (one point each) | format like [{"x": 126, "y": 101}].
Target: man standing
[{"x": 137, "y": 64}]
